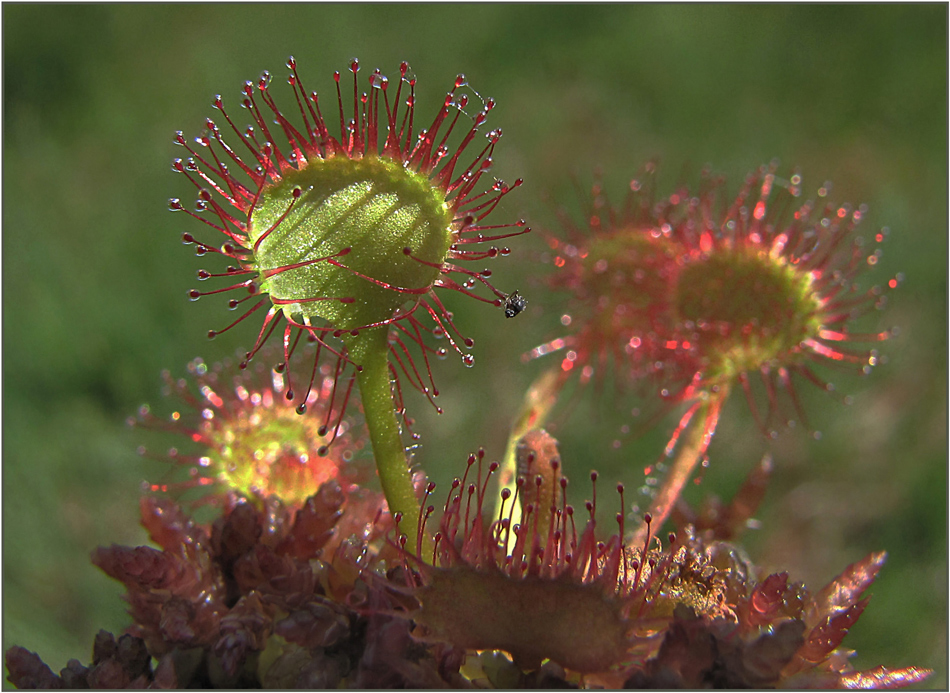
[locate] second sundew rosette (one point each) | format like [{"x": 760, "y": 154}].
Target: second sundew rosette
[
  {"x": 345, "y": 238},
  {"x": 689, "y": 296}
]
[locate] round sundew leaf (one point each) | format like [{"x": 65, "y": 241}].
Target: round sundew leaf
[
  {"x": 376, "y": 208},
  {"x": 347, "y": 234},
  {"x": 751, "y": 309},
  {"x": 269, "y": 452}
]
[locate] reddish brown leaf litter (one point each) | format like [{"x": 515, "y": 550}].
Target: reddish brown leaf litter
[{"x": 324, "y": 597}]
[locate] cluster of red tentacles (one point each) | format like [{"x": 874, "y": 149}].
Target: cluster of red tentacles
[
  {"x": 603, "y": 613},
  {"x": 242, "y": 435},
  {"x": 543, "y": 587},
  {"x": 622, "y": 264},
  {"x": 230, "y": 187}
]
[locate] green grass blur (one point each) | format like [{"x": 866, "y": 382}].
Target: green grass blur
[{"x": 95, "y": 278}]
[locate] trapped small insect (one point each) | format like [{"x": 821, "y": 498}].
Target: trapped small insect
[{"x": 514, "y": 304}]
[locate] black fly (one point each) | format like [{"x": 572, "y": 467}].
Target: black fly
[{"x": 514, "y": 304}]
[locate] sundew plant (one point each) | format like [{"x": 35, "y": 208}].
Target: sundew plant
[{"x": 504, "y": 380}]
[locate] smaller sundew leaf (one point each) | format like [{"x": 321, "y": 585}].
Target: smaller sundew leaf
[{"x": 248, "y": 439}]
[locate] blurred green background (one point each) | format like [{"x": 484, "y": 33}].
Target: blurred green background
[{"x": 95, "y": 278}]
